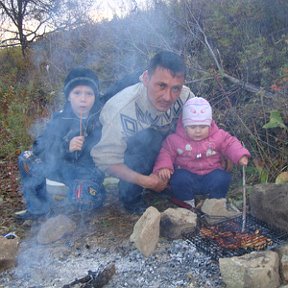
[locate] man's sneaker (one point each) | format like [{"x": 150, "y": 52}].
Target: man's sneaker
[
  {"x": 137, "y": 208},
  {"x": 26, "y": 215}
]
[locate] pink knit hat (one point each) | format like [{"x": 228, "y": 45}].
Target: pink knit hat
[{"x": 197, "y": 111}]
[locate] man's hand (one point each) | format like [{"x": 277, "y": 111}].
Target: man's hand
[
  {"x": 123, "y": 172},
  {"x": 76, "y": 143},
  {"x": 155, "y": 183}
]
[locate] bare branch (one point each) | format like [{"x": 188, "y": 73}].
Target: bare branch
[
  {"x": 23, "y": 14},
  {"x": 247, "y": 86}
]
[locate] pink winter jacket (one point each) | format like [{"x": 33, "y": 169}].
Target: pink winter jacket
[{"x": 199, "y": 157}]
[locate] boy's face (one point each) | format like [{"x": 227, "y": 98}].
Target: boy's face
[
  {"x": 82, "y": 99},
  {"x": 197, "y": 132},
  {"x": 163, "y": 89}
]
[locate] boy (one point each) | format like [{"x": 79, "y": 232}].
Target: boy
[{"x": 62, "y": 152}]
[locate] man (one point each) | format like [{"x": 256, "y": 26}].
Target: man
[{"x": 135, "y": 121}]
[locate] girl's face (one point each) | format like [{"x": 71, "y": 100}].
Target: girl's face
[
  {"x": 82, "y": 99},
  {"x": 197, "y": 132}
]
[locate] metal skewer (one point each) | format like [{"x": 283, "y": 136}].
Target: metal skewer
[
  {"x": 81, "y": 123},
  {"x": 244, "y": 211}
]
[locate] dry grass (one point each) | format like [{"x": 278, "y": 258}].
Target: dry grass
[{"x": 10, "y": 198}]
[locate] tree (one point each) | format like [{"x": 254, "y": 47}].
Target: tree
[{"x": 24, "y": 21}]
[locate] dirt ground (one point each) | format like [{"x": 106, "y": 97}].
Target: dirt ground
[
  {"x": 110, "y": 225},
  {"x": 112, "y": 221},
  {"x": 100, "y": 235}
]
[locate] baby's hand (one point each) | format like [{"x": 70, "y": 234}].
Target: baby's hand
[
  {"x": 243, "y": 161},
  {"x": 76, "y": 143},
  {"x": 165, "y": 174}
]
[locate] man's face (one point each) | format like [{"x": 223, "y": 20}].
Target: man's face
[{"x": 163, "y": 89}]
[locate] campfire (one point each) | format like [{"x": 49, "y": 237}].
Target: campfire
[{"x": 101, "y": 239}]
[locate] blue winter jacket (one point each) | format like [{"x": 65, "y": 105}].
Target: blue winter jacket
[{"x": 52, "y": 147}]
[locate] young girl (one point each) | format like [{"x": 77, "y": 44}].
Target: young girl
[
  {"x": 62, "y": 152},
  {"x": 191, "y": 158}
]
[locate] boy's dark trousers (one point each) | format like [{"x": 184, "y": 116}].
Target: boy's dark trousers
[
  {"x": 33, "y": 181},
  {"x": 140, "y": 155}
]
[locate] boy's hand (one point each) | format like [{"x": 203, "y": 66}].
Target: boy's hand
[
  {"x": 243, "y": 161},
  {"x": 76, "y": 143},
  {"x": 165, "y": 174}
]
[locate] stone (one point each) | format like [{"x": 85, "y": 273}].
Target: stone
[
  {"x": 284, "y": 268},
  {"x": 216, "y": 211},
  {"x": 283, "y": 255},
  {"x": 8, "y": 252},
  {"x": 176, "y": 221},
  {"x": 269, "y": 203},
  {"x": 257, "y": 270},
  {"x": 55, "y": 228},
  {"x": 146, "y": 231},
  {"x": 282, "y": 178}
]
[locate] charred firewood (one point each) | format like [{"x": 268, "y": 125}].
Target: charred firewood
[{"x": 94, "y": 279}]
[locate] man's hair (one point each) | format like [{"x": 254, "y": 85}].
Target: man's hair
[{"x": 167, "y": 60}]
